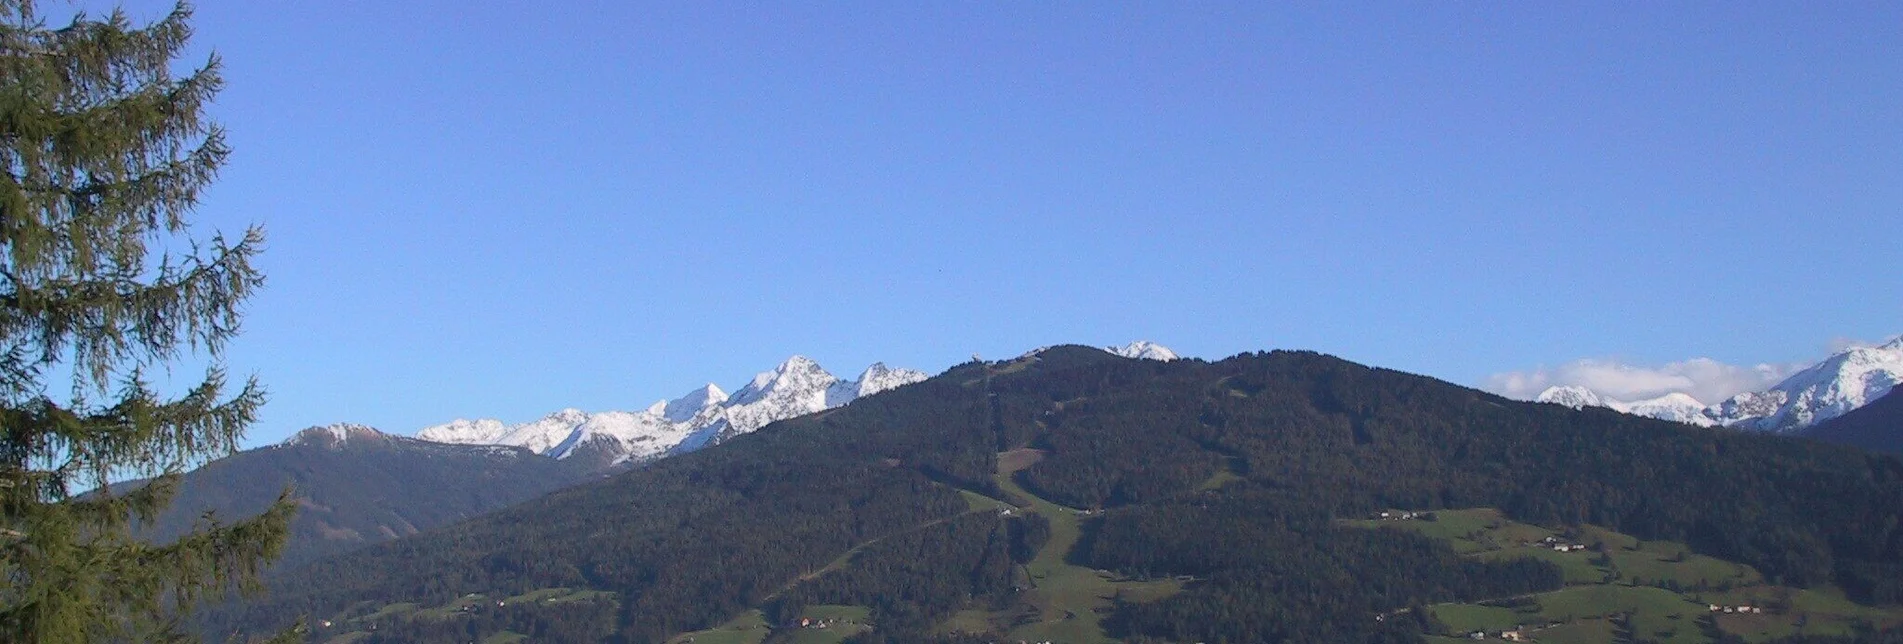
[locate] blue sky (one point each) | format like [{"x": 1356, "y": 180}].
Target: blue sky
[{"x": 486, "y": 209}]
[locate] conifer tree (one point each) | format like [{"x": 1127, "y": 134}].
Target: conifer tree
[{"x": 105, "y": 153}]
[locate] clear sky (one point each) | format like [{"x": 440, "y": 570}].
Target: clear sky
[{"x": 483, "y": 209}]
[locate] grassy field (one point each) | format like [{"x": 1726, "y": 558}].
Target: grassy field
[
  {"x": 978, "y": 501},
  {"x": 1014, "y": 461},
  {"x": 749, "y": 628},
  {"x": 355, "y": 628},
  {"x": 1222, "y": 477},
  {"x": 1652, "y": 613},
  {"x": 1614, "y": 588},
  {"x": 1585, "y": 631},
  {"x": 1821, "y": 611},
  {"x": 1065, "y": 601},
  {"x": 1066, "y": 597},
  {"x": 559, "y": 595},
  {"x": 1466, "y": 618}
]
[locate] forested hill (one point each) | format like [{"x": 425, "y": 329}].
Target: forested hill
[
  {"x": 356, "y": 486},
  {"x": 1231, "y": 475}
]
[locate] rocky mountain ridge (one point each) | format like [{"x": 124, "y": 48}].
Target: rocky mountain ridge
[
  {"x": 1834, "y": 386},
  {"x": 704, "y": 416}
]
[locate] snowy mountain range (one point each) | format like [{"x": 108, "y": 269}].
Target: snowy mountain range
[
  {"x": 705, "y": 416},
  {"x": 1674, "y": 406},
  {"x": 1826, "y": 390}
]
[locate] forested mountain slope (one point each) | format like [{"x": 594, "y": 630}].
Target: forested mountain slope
[
  {"x": 1876, "y": 426},
  {"x": 357, "y": 486},
  {"x": 1228, "y": 477}
]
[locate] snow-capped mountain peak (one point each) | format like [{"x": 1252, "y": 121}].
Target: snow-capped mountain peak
[
  {"x": 798, "y": 386},
  {"x": 684, "y": 408},
  {"x": 1845, "y": 381},
  {"x": 1828, "y": 389},
  {"x": 704, "y": 416},
  {"x": 1571, "y": 396},
  {"x": 465, "y": 432},
  {"x": 1675, "y": 406},
  {"x": 878, "y": 377},
  {"x": 550, "y": 431},
  {"x": 1144, "y": 350},
  {"x": 798, "y": 374},
  {"x": 333, "y": 435}
]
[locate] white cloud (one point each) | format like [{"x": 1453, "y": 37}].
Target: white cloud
[{"x": 1710, "y": 381}]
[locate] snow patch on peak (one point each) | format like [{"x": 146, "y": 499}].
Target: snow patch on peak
[
  {"x": 1144, "y": 350},
  {"x": 798, "y": 376},
  {"x": 333, "y": 435},
  {"x": 797, "y": 362},
  {"x": 797, "y": 387},
  {"x": 484, "y": 431},
  {"x": 1828, "y": 389},
  {"x": 1675, "y": 398},
  {"x": 543, "y": 435},
  {"x": 705, "y": 416},
  {"x": 640, "y": 435},
  {"x": 1676, "y": 407},
  {"x": 1571, "y": 396},
  {"x": 1833, "y": 387},
  {"x": 569, "y": 415},
  {"x": 878, "y": 377},
  {"x": 684, "y": 408}
]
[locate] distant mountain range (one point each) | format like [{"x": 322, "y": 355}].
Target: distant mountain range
[
  {"x": 1826, "y": 390},
  {"x": 703, "y": 417}
]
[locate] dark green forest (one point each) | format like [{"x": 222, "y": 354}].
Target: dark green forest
[
  {"x": 370, "y": 487},
  {"x": 1232, "y": 474}
]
